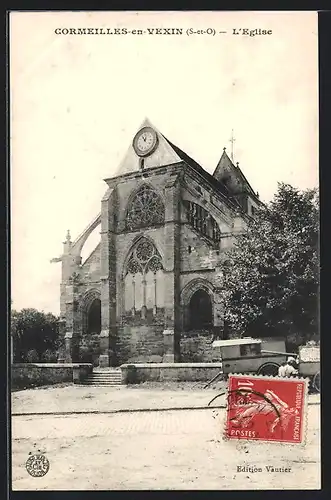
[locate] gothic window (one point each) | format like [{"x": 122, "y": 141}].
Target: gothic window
[
  {"x": 145, "y": 209},
  {"x": 202, "y": 221},
  {"x": 143, "y": 279}
]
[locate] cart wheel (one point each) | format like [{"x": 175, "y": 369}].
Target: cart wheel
[
  {"x": 268, "y": 369},
  {"x": 316, "y": 381}
]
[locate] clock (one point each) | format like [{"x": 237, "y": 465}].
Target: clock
[{"x": 145, "y": 141}]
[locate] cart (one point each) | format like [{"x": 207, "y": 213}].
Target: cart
[
  {"x": 248, "y": 355},
  {"x": 265, "y": 356}
]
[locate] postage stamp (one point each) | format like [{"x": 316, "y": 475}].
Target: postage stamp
[{"x": 266, "y": 409}]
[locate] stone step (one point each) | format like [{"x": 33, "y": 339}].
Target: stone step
[
  {"x": 99, "y": 379},
  {"x": 91, "y": 381},
  {"x": 110, "y": 386},
  {"x": 106, "y": 372},
  {"x": 101, "y": 384},
  {"x": 102, "y": 381},
  {"x": 104, "y": 378}
]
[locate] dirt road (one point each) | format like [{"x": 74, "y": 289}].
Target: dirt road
[{"x": 156, "y": 450}]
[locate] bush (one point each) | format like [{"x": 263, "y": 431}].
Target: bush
[
  {"x": 49, "y": 356},
  {"x": 33, "y": 330},
  {"x": 32, "y": 356}
]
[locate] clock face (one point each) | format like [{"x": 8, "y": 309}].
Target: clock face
[{"x": 145, "y": 141}]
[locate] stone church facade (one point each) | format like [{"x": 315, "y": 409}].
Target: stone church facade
[{"x": 149, "y": 290}]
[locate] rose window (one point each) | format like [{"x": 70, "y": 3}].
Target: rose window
[
  {"x": 146, "y": 209},
  {"x": 145, "y": 250}
]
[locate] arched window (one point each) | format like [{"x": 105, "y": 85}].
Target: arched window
[
  {"x": 143, "y": 279},
  {"x": 145, "y": 209},
  {"x": 201, "y": 220}
]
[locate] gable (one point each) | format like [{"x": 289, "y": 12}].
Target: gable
[
  {"x": 231, "y": 176},
  {"x": 163, "y": 155},
  {"x": 227, "y": 180}
]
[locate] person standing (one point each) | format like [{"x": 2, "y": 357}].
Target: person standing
[{"x": 288, "y": 369}]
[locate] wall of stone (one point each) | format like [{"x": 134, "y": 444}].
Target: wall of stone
[
  {"x": 89, "y": 348},
  {"x": 196, "y": 347},
  {"x": 25, "y": 375},
  {"x": 91, "y": 267},
  {"x": 161, "y": 372},
  {"x": 195, "y": 253},
  {"x": 139, "y": 344}
]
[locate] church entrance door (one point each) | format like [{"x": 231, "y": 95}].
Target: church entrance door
[
  {"x": 94, "y": 317},
  {"x": 201, "y": 311},
  {"x": 91, "y": 333}
]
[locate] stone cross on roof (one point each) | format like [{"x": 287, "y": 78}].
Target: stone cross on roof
[{"x": 232, "y": 140}]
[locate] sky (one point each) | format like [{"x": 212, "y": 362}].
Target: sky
[{"x": 76, "y": 101}]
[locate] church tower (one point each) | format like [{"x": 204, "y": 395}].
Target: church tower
[{"x": 149, "y": 291}]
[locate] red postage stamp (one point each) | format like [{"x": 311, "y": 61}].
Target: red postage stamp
[{"x": 266, "y": 409}]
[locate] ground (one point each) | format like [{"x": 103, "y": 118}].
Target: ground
[
  {"x": 166, "y": 449},
  {"x": 70, "y": 398}
]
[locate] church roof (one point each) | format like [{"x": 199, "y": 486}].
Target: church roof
[
  {"x": 192, "y": 163},
  {"x": 168, "y": 153},
  {"x": 227, "y": 169}
]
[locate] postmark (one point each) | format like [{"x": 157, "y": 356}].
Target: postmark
[
  {"x": 266, "y": 409},
  {"x": 37, "y": 465}
]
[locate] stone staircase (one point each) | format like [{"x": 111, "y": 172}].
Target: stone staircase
[{"x": 110, "y": 377}]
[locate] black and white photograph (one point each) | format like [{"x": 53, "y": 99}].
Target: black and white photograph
[{"x": 164, "y": 323}]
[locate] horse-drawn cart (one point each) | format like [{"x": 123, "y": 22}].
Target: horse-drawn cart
[{"x": 265, "y": 356}]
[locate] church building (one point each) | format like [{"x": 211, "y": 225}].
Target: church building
[{"x": 149, "y": 290}]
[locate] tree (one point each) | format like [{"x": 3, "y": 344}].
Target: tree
[
  {"x": 36, "y": 331},
  {"x": 271, "y": 275}
]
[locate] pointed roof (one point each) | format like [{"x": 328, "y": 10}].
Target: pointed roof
[
  {"x": 192, "y": 163},
  {"x": 163, "y": 155},
  {"x": 223, "y": 165},
  {"x": 166, "y": 153},
  {"x": 231, "y": 175}
]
